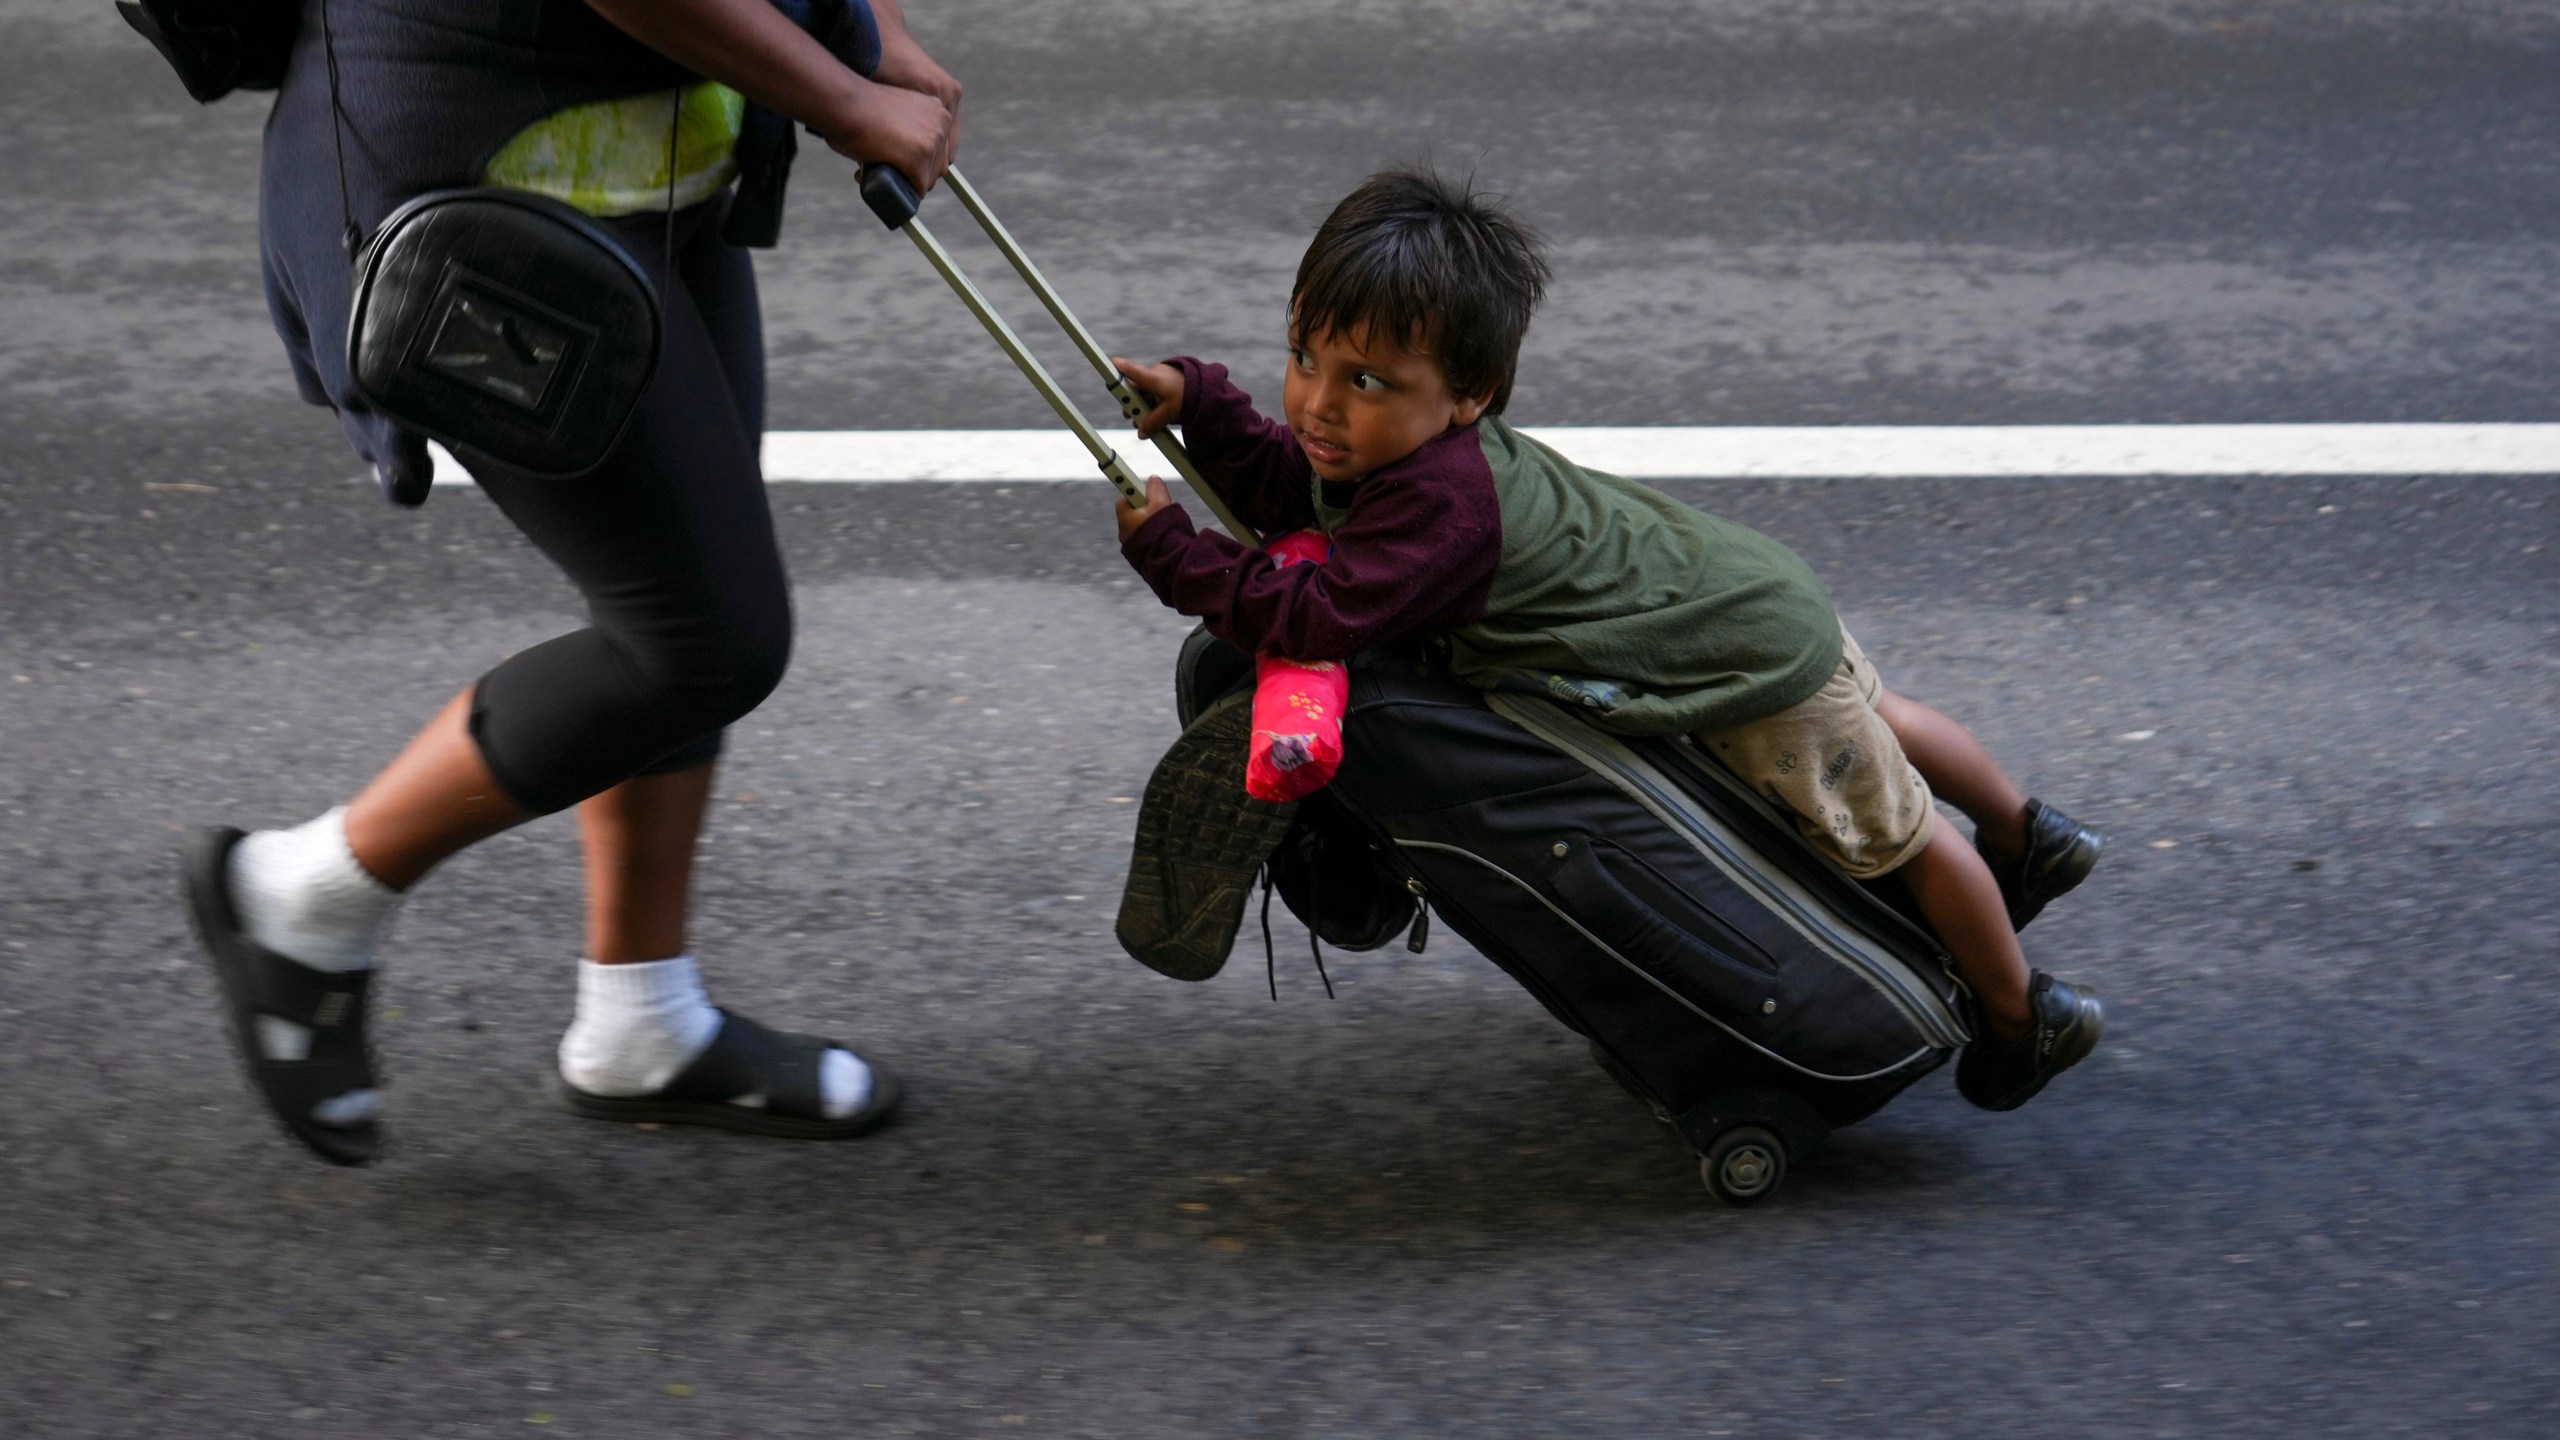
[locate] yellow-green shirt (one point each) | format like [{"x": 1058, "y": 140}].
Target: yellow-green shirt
[{"x": 610, "y": 158}]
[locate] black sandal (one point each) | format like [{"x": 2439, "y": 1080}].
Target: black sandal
[
  {"x": 328, "y": 1005},
  {"x": 746, "y": 1058}
]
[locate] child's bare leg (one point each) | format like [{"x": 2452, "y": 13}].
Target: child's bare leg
[
  {"x": 2036, "y": 852},
  {"x": 1960, "y": 772},
  {"x": 1962, "y": 903}
]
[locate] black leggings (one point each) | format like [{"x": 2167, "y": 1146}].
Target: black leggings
[{"x": 672, "y": 545}]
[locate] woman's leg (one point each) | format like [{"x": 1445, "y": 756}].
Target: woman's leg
[
  {"x": 672, "y": 544},
  {"x": 640, "y": 835},
  {"x": 656, "y": 633},
  {"x": 643, "y": 1014},
  {"x": 435, "y": 798},
  {"x": 640, "y": 839}
]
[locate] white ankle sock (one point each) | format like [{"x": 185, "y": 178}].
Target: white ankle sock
[
  {"x": 300, "y": 893},
  {"x": 639, "y": 1025}
]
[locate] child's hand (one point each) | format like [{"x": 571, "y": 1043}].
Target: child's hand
[
  {"x": 1159, "y": 500},
  {"x": 1159, "y": 383}
]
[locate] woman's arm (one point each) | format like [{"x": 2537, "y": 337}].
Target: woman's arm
[
  {"x": 907, "y": 118},
  {"x": 904, "y": 64}
]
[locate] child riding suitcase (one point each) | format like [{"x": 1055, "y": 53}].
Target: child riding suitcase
[{"x": 1690, "y": 862}]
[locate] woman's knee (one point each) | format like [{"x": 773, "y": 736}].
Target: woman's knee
[
  {"x": 748, "y": 654},
  {"x": 715, "y": 665},
  {"x": 760, "y": 655}
]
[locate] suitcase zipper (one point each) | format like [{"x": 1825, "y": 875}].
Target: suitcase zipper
[
  {"x": 1656, "y": 981},
  {"x": 1420, "y": 935},
  {"x": 1927, "y": 1011}
]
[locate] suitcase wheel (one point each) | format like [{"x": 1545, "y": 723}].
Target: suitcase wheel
[{"x": 1744, "y": 1164}]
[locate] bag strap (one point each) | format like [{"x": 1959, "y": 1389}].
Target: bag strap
[{"x": 349, "y": 237}]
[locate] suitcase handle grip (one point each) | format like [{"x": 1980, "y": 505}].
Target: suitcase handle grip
[{"x": 890, "y": 195}]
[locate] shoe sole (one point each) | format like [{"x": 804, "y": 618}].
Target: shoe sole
[
  {"x": 886, "y": 1092},
  {"x": 1200, "y": 841}
]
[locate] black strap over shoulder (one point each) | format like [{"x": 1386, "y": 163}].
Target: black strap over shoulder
[{"x": 218, "y": 46}]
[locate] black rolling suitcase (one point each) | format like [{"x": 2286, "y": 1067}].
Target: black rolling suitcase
[{"x": 1720, "y": 969}]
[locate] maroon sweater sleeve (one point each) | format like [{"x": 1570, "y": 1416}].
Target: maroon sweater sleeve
[
  {"x": 1253, "y": 460},
  {"x": 1415, "y": 554}
]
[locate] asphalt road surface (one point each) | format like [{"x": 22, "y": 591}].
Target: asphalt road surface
[{"x": 2308, "y": 1186}]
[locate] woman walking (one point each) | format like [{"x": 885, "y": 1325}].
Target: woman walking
[{"x": 632, "y": 111}]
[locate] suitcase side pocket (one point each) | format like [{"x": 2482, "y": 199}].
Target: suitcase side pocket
[
  {"x": 1554, "y": 966},
  {"x": 1646, "y": 918}
]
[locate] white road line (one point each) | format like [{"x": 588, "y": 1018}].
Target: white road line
[{"x": 1755, "y": 452}]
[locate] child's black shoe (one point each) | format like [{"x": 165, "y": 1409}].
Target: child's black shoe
[
  {"x": 2064, "y": 1026},
  {"x": 2060, "y": 854},
  {"x": 1201, "y": 840}
]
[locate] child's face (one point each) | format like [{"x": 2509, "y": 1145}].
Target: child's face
[{"x": 1359, "y": 406}]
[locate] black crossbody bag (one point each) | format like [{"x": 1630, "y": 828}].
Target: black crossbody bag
[{"x": 504, "y": 323}]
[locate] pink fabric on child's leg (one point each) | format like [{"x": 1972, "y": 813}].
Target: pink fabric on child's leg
[
  {"x": 1297, "y": 708},
  {"x": 1297, "y": 728}
]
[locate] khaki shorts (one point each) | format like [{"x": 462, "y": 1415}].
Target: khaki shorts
[{"x": 1832, "y": 765}]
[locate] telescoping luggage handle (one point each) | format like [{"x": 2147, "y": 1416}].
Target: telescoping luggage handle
[{"x": 895, "y": 201}]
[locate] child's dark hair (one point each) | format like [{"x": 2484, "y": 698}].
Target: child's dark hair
[{"x": 1432, "y": 263}]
